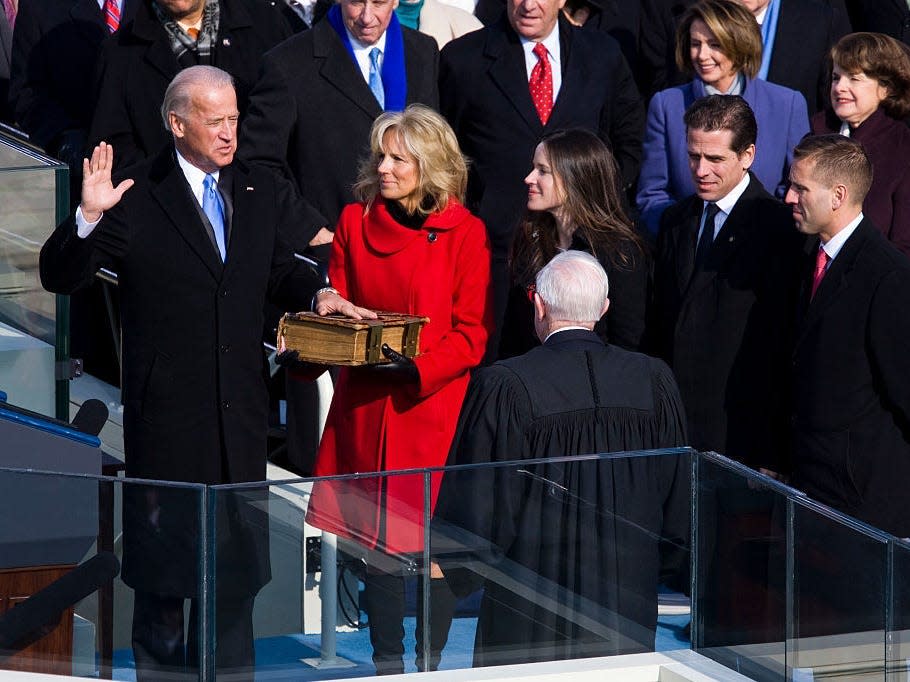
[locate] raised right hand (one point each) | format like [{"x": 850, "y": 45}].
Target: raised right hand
[{"x": 98, "y": 191}]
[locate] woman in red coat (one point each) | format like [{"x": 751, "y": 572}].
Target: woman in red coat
[{"x": 409, "y": 247}]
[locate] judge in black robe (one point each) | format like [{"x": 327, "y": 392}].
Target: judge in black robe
[{"x": 569, "y": 551}]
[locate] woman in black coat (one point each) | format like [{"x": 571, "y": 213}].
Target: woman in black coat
[{"x": 574, "y": 203}]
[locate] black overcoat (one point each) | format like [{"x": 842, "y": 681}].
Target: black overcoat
[
  {"x": 851, "y": 407},
  {"x": 311, "y": 112},
  {"x": 137, "y": 63},
  {"x": 725, "y": 330},
  {"x": 194, "y": 394}
]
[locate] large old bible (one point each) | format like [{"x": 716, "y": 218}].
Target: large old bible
[{"x": 339, "y": 340}]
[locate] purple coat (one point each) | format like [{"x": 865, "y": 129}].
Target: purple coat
[
  {"x": 665, "y": 178},
  {"x": 887, "y": 142}
]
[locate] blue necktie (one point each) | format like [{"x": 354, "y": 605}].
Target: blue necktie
[
  {"x": 213, "y": 207},
  {"x": 375, "y": 79}
]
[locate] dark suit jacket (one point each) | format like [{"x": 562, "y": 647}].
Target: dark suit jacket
[
  {"x": 725, "y": 329},
  {"x": 311, "y": 112},
  {"x": 483, "y": 91},
  {"x": 137, "y": 64},
  {"x": 194, "y": 394},
  {"x": 851, "y": 406},
  {"x": 619, "y": 18},
  {"x": 6, "y": 49},
  {"x": 800, "y": 57},
  {"x": 55, "y": 46},
  {"x": 891, "y": 17}
]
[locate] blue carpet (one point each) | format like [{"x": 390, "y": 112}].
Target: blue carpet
[{"x": 278, "y": 658}]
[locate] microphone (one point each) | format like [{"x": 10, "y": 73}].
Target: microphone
[
  {"x": 47, "y": 604},
  {"x": 91, "y": 417}
]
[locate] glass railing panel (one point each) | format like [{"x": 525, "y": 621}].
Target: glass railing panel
[
  {"x": 34, "y": 193},
  {"x": 567, "y": 554},
  {"x": 740, "y": 577},
  {"x": 899, "y": 605},
  {"x": 840, "y": 590},
  {"x": 84, "y": 562}
]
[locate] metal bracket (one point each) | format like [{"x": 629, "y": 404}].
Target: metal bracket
[{"x": 68, "y": 369}]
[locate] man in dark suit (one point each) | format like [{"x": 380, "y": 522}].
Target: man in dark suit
[
  {"x": 199, "y": 242},
  {"x": 851, "y": 405},
  {"x": 137, "y": 63},
  {"x": 891, "y": 17},
  {"x": 312, "y": 108},
  {"x": 55, "y": 47},
  {"x": 726, "y": 272},
  {"x": 485, "y": 84},
  {"x": 573, "y": 395},
  {"x": 799, "y": 58}
]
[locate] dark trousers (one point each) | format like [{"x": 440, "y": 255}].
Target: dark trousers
[
  {"x": 385, "y": 606},
  {"x": 166, "y": 649}
]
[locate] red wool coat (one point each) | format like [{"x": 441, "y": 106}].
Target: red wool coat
[{"x": 441, "y": 271}]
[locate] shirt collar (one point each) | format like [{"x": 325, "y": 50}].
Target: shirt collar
[
  {"x": 565, "y": 329},
  {"x": 362, "y": 47},
  {"x": 194, "y": 176},
  {"x": 836, "y": 243},
  {"x": 727, "y": 203},
  {"x": 551, "y": 42}
]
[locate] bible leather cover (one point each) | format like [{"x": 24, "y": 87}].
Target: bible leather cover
[{"x": 339, "y": 340}]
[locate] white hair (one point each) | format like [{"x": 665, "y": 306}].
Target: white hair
[
  {"x": 179, "y": 93},
  {"x": 574, "y": 286}
]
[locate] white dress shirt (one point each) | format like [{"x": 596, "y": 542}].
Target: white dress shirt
[
  {"x": 362, "y": 53},
  {"x": 725, "y": 206}
]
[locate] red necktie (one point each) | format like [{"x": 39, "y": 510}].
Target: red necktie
[
  {"x": 111, "y": 15},
  {"x": 821, "y": 265},
  {"x": 541, "y": 84}
]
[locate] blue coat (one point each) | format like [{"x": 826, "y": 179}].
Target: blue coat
[{"x": 665, "y": 177}]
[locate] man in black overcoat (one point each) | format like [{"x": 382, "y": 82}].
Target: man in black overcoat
[
  {"x": 569, "y": 552},
  {"x": 851, "y": 405},
  {"x": 194, "y": 394},
  {"x": 725, "y": 282},
  {"x": 312, "y": 109},
  {"x": 485, "y": 95},
  {"x": 140, "y": 59}
]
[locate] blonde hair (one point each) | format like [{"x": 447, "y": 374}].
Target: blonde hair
[{"x": 443, "y": 171}]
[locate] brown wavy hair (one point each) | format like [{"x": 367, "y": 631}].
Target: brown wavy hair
[
  {"x": 881, "y": 58},
  {"x": 586, "y": 171},
  {"x": 736, "y": 31}
]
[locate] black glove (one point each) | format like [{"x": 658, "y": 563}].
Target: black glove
[
  {"x": 290, "y": 360},
  {"x": 400, "y": 369}
]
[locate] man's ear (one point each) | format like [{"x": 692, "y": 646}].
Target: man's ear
[
  {"x": 175, "y": 123},
  {"x": 540, "y": 308},
  {"x": 606, "y": 307}
]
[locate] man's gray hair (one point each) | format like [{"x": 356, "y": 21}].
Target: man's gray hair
[
  {"x": 574, "y": 286},
  {"x": 179, "y": 93}
]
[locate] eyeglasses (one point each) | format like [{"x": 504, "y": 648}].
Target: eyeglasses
[{"x": 531, "y": 290}]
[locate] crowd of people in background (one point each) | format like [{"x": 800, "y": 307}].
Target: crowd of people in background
[{"x": 738, "y": 169}]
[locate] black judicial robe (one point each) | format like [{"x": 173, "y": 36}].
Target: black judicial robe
[{"x": 569, "y": 553}]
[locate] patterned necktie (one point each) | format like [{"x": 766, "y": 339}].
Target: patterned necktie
[
  {"x": 10, "y": 7},
  {"x": 213, "y": 207},
  {"x": 821, "y": 267},
  {"x": 707, "y": 236},
  {"x": 375, "y": 79},
  {"x": 111, "y": 15},
  {"x": 541, "y": 84}
]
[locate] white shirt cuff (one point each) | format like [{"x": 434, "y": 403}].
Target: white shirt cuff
[{"x": 83, "y": 227}]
